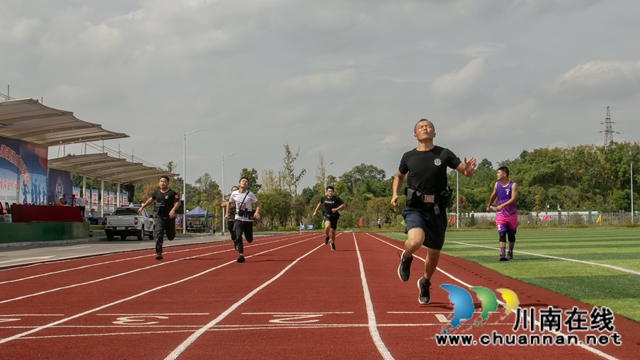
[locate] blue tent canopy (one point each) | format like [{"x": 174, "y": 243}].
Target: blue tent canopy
[{"x": 197, "y": 212}]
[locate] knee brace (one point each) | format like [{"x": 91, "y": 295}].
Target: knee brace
[
  {"x": 503, "y": 238},
  {"x": 512, "y": 238}
]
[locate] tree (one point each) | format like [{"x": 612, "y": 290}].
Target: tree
[
  {"x": 291, "y": 180},
  {"x": 361, "y": 178},
  {"x": 270, "y": 181},
  {"x": 321, "y": 174}
]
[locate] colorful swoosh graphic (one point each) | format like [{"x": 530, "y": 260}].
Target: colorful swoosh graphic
[
  {"x": 489, "y": 301},
  {"x": 510, "y": 298},
  {"x": 462, "y": 304}
]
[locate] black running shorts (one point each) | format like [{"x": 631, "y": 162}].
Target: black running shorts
[{"x": 434, "y": 226}]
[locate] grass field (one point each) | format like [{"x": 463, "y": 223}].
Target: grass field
[{"x": 600, "y": 267}]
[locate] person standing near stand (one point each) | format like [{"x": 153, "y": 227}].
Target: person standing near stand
[
  {"x": 167, "y": 203},
  {"x": 82, "y": 204},
  {"x": 244, "y": 201}
]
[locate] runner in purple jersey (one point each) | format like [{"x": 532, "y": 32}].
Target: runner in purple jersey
[{"x": 506, "y": 191}]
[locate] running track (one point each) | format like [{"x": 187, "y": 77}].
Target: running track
[{"x": 292, "y": 299}]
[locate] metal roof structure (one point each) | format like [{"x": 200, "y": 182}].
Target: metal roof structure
[
  {"x": 109, "y": 168},
  {"x": 29, "y": 120}
]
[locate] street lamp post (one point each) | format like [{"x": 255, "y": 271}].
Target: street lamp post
[
  {"x": 223, "y": 188},
  {"x": 184, "y": 179}
]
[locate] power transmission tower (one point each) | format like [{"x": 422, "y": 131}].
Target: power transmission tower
[{"x": 608, "y": 129}]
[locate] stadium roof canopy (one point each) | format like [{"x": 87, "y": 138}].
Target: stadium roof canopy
[
  {"x": 109, "y": 168},
  {"x": 29, "y": 120}
]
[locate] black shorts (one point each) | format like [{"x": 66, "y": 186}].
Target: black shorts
[
  {"x": 434, "y": 226},
  {"x": 232, "y": 232},
  {"x": 333, "y": 220}
]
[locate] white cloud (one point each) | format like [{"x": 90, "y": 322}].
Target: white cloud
[
  {"x": 340, "y": 80},
  {"x": 23, "y": 29},
  {"x": 482, "y": 51},
  {"x": 507, "y": 123},
  {"x": 394, "y": 141},
  {"x": 459, "y": 82},
  {"x": 600, "y": 79}
]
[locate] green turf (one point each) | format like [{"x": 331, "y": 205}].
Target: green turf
[{"x": 589, "y": 283}]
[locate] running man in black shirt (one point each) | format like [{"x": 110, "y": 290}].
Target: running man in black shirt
[
  {"x": 167, "y": 202},
  {"x": 427, "y": 199},
  {"x": 231, "y": 215},
  {"x": 331, "y": 205}
]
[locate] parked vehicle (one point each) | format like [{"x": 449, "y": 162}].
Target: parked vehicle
[{"x": 126, "y": 221}]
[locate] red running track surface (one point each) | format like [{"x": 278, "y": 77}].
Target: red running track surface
[{"x": 292, "y": 298}]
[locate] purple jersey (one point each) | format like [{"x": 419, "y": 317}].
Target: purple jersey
[{"x": 504, "y": 195}]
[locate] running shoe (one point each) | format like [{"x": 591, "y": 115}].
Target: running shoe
[
  {"x": 333, "y": 247},
  {"x": 424, "y": 286},
  {"x": 404, "y": 269},
  {"x": 510, "y": 255},
  {"x": 503, "y": 258},
  {"x": 240, "y": 259},
  {"x": 326, "y": 240},
  {"x": 158, "y": 256}
]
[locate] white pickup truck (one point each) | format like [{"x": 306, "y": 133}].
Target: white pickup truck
[{"x": 126, "y": 221}]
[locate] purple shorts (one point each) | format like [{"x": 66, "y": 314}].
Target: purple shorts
[{"x": 506, "y": 223}]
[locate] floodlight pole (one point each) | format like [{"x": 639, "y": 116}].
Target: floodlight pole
[
  {"x": 631, "y": 193},
  {"x": 184, "y": 179},
  {"x": 224, "y": 189}
]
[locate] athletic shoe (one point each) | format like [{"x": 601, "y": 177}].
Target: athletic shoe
[
  {"x": 404, "y": 269},
  {"x": 249, "y": 241},
  {"x": 240, "y": 259},
  {"x": 159, "y": 256},
  {"x": 424, "y": 286},
  {"x": 333, "y": 247},
  {"x": 510, "y": 255},
  {"x": 503, "y": 258},
  {"x": 326, "y": 240}
]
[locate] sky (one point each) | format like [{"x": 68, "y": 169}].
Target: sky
[{"x": 348, "y": 79}]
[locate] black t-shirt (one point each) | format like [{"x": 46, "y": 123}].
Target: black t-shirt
[
  {"x": 329, "y": 204},
  {"x": 428, "y": 169},
  {"x": 165, "y": 201},
  {"x": 232, "y": 210}
]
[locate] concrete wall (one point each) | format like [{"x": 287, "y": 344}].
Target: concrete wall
[{"x": 44, "y": 231}]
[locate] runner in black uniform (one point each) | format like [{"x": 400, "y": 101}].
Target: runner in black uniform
[
  {"x": 231, "y": 215},
  {"x": 167, "y": 202},
  {"x": 331, "y": 205},
  {"x": 427, "y": 199}
]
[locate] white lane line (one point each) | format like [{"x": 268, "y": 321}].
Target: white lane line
[
  {"x": 111, "y": 276},
  {"x": 371, "y": 315},
  {"x": 17, "y": 336},
  {"x": 73, "y": 248},
  {"x": 25, "y": 259},
  {"x": 224, "y": 328},
  {"x": 92, "y": 265},
  {"x": 585, "y": 347},
  {"x": 32, "y": 315},
  {"x": 297, "y": 313},
  {"x": 555, "y": 258},
  {"x": 185, "y": 344},
  {"x": 218, "y": 244},
  {"x": 167, "y": 314}
]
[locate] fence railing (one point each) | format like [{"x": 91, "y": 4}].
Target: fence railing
[{"x": 543, "y": 219}]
